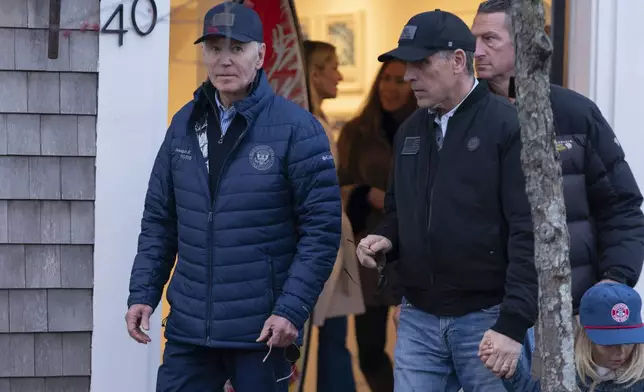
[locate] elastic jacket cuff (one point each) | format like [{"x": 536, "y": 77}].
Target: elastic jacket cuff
[
  {"x": 138, "y": 300},
  {"x": 618, "y": 276},
  {"x": 512, "y": 325},
  {"x": 296, "y": 319}
]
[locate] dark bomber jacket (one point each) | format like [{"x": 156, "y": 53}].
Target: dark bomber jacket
[{"x": 459, "y": 218}]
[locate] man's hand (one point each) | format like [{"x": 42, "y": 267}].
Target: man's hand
[
  {"x": 137, "y": 318},
  {"x": 500, "y": 353},
  {"x": 371, "y": 250},
  {"x": 278, "y": 332},
  {"x": 397, "y": 315}
]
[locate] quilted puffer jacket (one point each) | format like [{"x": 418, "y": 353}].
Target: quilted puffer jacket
[
  {"x": 602, "y": 198},
  {"x": 267, "y": 241}
]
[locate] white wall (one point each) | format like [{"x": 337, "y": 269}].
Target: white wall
[
  {"x": 607, "y": 69},
  {"x": 132, "y": 118}
]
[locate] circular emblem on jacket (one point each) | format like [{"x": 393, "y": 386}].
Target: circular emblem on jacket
[
  {"x": 473, "y": 143},
  {"x": 262, "y": 157},
  {"x": 620, "y": 313}
]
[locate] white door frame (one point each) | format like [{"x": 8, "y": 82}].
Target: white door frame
[{"x": 131, "y": 123}]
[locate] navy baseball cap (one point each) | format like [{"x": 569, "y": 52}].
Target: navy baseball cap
[
  {"x": 428, "y": 33},
  {"x": 611, "y": 314},
  {"x": 234, "y": 21}
]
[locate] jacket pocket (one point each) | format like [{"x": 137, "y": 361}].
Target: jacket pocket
[{"x": 493, "y": 310}]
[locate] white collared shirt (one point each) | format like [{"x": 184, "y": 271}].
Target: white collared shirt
[{"x": 444, "y": 119}]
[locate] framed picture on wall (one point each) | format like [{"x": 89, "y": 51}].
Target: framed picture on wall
[{"x": 345, "y": 32}]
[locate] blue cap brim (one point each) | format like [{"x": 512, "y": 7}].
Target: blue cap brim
[
  {"x": 610, "y": 337},
  {"x": 234, "y": 36},
  {"x": 408, "y": 54}
]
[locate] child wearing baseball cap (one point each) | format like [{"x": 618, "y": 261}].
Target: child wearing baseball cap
[{"x": 609, "y": 344}]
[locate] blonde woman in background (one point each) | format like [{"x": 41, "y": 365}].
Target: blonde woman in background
[
  {"x": 609, "y": 344},
  {"x": 342, "y": 294}
]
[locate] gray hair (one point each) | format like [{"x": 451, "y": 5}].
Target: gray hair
[
  {"x": 256, "y": 46},
  {"x": 469, "y": 59}
]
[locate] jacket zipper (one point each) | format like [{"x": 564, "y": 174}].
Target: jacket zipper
[
  {"x": 429, "y": 225},
  {"x": 431, "y": 199},
  {"x": 215, "y": 109},
  {"x": 271, "y": 281},
  {"x": 208, "y": 316},
  {"x": 210, "y": 232}
]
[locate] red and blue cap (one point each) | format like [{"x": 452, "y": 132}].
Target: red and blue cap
[
  {"x": 232, "y": 20},
  {"x": 610, "y": 313}
]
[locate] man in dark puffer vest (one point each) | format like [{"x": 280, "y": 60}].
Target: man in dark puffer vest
[
  {"x": 244, "y": 190},
  {"x": 602, "y": 198}
]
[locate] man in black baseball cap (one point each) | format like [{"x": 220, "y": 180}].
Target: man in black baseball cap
[
  {"x": 428, "y": 33},
  {"x": 464, "y": 243},
  {"x": 244, "y": 196},
  {"x": 439, "y": 36}
]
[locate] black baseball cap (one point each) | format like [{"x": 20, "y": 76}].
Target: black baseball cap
[
  {"x": 428, "y": 33},
  {"x": 234, "y": 21}
]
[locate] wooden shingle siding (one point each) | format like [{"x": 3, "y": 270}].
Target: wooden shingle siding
[{"x": 47, "y": 190}]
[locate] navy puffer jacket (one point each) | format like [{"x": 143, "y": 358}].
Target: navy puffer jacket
[{"x": 267, "y": 242}]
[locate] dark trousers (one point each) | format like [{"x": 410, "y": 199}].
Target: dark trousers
[
  {"x": 188, "y": 368},
  {"x": 371, "y": 336},
  {"x": 335, "y": 371}
]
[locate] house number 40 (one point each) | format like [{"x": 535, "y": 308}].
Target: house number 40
[{"x": 120, "y": 30}]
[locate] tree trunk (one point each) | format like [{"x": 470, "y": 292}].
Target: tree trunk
[{"x": 540, "y": 163}]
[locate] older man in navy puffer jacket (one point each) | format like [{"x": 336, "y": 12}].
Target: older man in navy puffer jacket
[{"x": 244, "y": 190}]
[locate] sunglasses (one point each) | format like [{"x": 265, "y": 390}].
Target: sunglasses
[
  {"x": 382, "y": 279},
  {"x": 291, "y": 354}
]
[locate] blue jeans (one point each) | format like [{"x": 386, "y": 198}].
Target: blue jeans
[
  {"x": 335, "y": 372},
  {"x": 440, "y": 354}
]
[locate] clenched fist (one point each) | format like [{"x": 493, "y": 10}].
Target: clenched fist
[{"x": 372, "y": 249}]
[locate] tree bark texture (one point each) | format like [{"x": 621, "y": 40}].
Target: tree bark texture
[{"x": 542, "y": 168}]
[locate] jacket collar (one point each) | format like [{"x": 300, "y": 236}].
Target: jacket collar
[
  {"x": 478, "y": 93},
  {"x": 249, "y": 107},
  {"x": 512, "y": 92}
]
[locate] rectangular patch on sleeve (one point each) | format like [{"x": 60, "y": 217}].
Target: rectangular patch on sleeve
[{"x": 411, "y": 146}]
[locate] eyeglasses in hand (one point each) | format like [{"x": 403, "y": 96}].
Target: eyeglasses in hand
[{"x": 382, "y": 278}]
